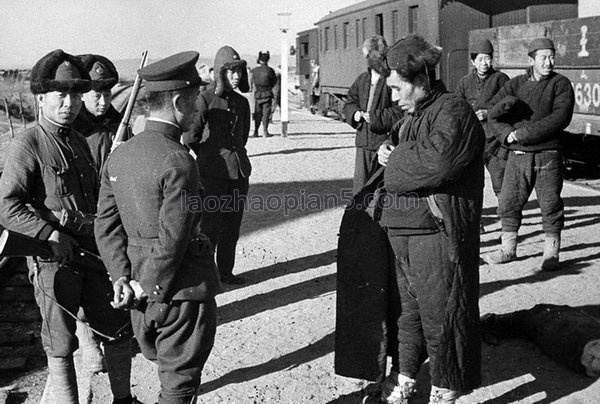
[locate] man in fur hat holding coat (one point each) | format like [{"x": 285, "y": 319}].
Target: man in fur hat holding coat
[
  {"x": 218, "y": 137},
  {"x": 434, "y": 182}
]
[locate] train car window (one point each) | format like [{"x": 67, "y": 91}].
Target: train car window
[
  {"x": 364, "y": 28},
  {"x": 335, "y": 37},
  {"x": 345, "y": 33},
  {"x": 304, "y": 50},
  {"x": 395, "y": 27},
  {"x": 379, "y": 24},
  {"x": 358, "y": 40},
  {"x": 326, "y": 39},
  {"x": 413, "y": 19}
]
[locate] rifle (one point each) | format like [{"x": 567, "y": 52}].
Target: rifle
[
  {"x": 13, "y": 244},
  {"x": 124, "y": 125}
]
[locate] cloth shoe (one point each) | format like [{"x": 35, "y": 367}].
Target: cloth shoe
[
  {"x": 61, "y": 385},
  {"x": 397, "y": 389},
  {"x": 442, "y": 396},
  {"x": 550, "y": 261},
  {"x": 508, "y": 251}
]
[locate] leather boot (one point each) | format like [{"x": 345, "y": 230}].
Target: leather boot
[
  {"x": 118, "y": 362},
  {"x": 61, "y": 385},
  {"x": 508, "y": 251},
  {"x": 442, "y": 396},
  {"x": 550, "y": 260}
]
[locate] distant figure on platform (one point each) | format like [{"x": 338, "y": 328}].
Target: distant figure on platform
[
  {"x": 49, "y": 191},
  {"x": 314, "y": 90},
  {"x": 264, "y": 80},
  {"x": 529, "y": 115},
  {"x": 218, "y": 137},
  {"x": 370, "y": 111},
  {"x": 161, "y": 265}
]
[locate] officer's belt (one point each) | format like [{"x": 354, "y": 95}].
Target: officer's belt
[
  {"x": 49, "y": 215},
  {"x": 151, "y": 241}
]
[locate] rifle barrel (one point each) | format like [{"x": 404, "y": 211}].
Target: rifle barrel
[{"x": 130, "y": 104}]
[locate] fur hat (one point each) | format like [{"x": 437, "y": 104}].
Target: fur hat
[
  {"x": 413, "y": 55},
  {"x": 483, "y": 46},
  {"x": 263, "y": 56},
  {"x": 59, "y": 71},
  {"x": 102, "y": 71},
  {"x": 374, "y": 47},
  {"x": 540, "y": 43},
  {"x": 227, "y": 58}
]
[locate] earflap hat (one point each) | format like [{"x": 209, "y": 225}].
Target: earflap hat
[
  {"x": 59, "y": 71},
  {"x": 102, "y": 71},
  {"x": 227, "y": 58},
  {"x": 413, "y": 55}
]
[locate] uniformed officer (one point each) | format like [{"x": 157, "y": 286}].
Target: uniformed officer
[
  {"x": 49, "y": 190},
  {"x": 147, "y": 233}
]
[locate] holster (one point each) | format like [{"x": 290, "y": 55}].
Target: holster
[{"x": 76, "y": 222}]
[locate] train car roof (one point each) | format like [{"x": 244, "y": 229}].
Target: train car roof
[
  {"x": 492, "y": 7},
  {"x": 489, "y": 7}
]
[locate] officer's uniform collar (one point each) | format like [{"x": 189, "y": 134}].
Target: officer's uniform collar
[{"x": 169, "y": 129}]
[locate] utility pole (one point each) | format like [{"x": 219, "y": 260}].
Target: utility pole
[{"x": 283, "y": 27}]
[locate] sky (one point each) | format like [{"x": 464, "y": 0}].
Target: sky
[{"x": 123, "y": 29}]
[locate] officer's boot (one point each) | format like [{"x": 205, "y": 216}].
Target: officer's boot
[
  {"x": 442, "y": 396},
  {"x": 550, "y": 260},
  {"x": 61, "y": 385},
  {"x": 508, "y": 251},
  {"x": 118, "y": 362},
  {"x": 265, "y": 131},
  {"x": 256, "y": 124}
]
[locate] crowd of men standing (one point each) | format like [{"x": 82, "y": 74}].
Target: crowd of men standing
[{"x": 68, "y": 181}]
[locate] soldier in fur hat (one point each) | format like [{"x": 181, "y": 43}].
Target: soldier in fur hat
[
  {"x": 50, "y": 178},
  {"x": 434, "y": 183},
  {"x": 264, "y": 80},
  {"x": 218, "y": 137}
]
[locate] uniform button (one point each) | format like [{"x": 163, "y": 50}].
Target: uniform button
[
  {"x": 81, "y": 175},
  {"x": 157, "y": 287},
  {"x": 155, "y": 293}
]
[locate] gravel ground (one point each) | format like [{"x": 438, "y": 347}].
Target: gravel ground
[{"x": 275, "y": 337}]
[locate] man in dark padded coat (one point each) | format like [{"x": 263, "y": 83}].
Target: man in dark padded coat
[
  {"x": 264, "y": 80},
  {"x": 530, "y": 113},
  {"x": 370, "y": 111},
  {"x": 147, "y": 233},
  {"x": 218, "y": 137},
  {"x": 49, "y": 190},
  {"x": 434, "y": 182}
]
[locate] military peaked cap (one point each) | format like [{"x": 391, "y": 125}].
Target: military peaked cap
[
  {"x": 102, "y": 71},
  {"x": 175, "y": 72},
  {"x": 540, "y": 43},
  {"x": 59, "y": 71}
]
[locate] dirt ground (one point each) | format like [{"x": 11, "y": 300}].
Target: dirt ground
[{"x": 275, "y": 337}]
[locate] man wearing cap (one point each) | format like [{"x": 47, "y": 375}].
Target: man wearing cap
[
  {"x": 478, "y": 88},
  {"x": 434, "y": 182},
  {"x": 218, "y": 137},
  {"x": 49, "y": 190},
  {"x": 264, "y": 80},
  {"x": 370, "y": 111},
  {"x": 99, "y": 120},
  {"x": 147, "y": 233},
  {"x": 529, "y": 114}
]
